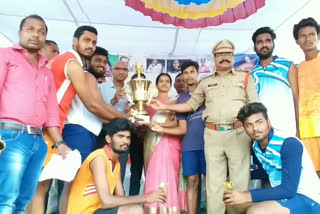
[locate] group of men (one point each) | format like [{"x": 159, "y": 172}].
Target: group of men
[
  {"x": 232, "y": 117},
  {"x": 64, "y": 106},
  {"x": 61, "y": 102}
]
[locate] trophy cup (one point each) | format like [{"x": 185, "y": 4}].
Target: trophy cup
[
  {"x": 228, "y": 185},
  {"x": 139, "y": 96}
]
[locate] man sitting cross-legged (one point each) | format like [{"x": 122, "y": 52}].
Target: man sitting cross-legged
[
  {"x": 97, "y": 187},
  {"x": 295, "y": 185}
]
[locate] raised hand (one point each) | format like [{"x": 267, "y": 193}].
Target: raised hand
[{"x": 120, "y": 93}]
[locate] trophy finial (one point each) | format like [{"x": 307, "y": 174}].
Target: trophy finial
[{"x": 139, "y": 70}]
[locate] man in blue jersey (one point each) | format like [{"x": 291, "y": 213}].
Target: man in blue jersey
[
  {"x": 192, "y": 127},
  {"x": 295, "y": 187},
  {"x": 276, "y": 83}
]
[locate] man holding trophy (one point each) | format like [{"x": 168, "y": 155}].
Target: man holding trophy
[{"x": 114, "y": 94}]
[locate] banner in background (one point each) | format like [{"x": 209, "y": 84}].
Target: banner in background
[
  {"x": 172, "y": 65},
  {"x": 154, "y": 65}
]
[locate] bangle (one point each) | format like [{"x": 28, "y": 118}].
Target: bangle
[{"x": 58, "y": 144}]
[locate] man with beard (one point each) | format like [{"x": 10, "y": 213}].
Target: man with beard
[
  {"x": 276, "y": 83},
  {"x": 295, "y": 185},
  {"x": 114, "y": 93},
  {"x": 98, "y": 188},
  {"x": 81, "y": 126},
  {"x": 306, "y": 34},
  {"x": 28, "y": 105},
  {"x": 99, "y": 63},
  {"x": 227, "y": 146},
  {"x": 71, "y": 80},
  {"x": 80, "y": 131}
]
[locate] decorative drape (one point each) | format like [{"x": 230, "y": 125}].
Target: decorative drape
[{"x": 212, "y": 13}]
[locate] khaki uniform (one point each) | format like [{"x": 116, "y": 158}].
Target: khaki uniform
[{"x": 223, "y": 97}]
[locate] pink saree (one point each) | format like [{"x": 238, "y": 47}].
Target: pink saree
[{"x": 162, "y": 154}]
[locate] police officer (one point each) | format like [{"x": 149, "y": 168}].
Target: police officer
[{"x": 227, "y": 146}]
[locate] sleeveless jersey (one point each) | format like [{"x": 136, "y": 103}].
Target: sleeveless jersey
[
  {"x": 83, "y": 198},
  {"x": 65, "y": 90}
]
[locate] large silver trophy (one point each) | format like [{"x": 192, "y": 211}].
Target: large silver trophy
[{"x": 139, "y": 98}]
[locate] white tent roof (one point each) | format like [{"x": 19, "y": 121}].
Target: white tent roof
[{"x": 123, "y": 30}]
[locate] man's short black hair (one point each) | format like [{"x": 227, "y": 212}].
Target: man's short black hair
[
  {"x": 188, "y": 63},
  {"x": 33, "y": 16},
  {"x": 250, "y": 109},
  {"x": 117, "y": 125},
  {"x": 263, "y": 30},
  {"x": 51, "y": 42},
  {"x": 177, "y": 76},
  {"x": 135, "y": 76},
  {"x": 101, "y": 51},
  {"x": 304, "y": 23},
  {"x": 84, "y": 28}
]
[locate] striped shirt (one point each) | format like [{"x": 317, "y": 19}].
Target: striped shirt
[
  {"x": 274, "y": 90},
  {"x": 289, "y": 168}
]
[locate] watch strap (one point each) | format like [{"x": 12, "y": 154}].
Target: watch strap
[{"x": 58, "y": 143}]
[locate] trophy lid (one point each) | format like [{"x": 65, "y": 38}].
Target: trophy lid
[{"x": 139, "y": 70}]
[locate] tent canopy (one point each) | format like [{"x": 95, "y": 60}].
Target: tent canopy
[{"x": 123, "y": 30}]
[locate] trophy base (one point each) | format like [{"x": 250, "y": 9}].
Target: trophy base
[{"x": 143, "y": 119}]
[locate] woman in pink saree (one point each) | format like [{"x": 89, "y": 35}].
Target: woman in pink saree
[{"x": 162, "y": 154}]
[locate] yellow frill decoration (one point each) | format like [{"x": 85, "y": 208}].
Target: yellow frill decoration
[{"x": 171, "y": 7}]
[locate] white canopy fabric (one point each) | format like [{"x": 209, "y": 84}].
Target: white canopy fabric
[{"x": 123, "y": 30}]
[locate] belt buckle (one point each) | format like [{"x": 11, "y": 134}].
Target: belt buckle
[
  {"x": 33, "y": 130},
  {"x": 225, "y": 127},
  {"x": 30, "y": 129}
]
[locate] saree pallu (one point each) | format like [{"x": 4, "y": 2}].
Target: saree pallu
[{"x": 162, "y": 157}]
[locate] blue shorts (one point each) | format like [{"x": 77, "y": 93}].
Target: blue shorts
[
  {"x": 300, "y": 204},
  {"x": 194, "y": 163},
  {"x": 77, "y": 137}
]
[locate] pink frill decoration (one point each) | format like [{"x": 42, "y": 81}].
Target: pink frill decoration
[{"x": 242, "y": 11}]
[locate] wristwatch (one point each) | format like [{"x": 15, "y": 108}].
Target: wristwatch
[{"x": 58, "y": 143}]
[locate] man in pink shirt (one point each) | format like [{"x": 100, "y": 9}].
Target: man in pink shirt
[{"x": 28, "y": 103}]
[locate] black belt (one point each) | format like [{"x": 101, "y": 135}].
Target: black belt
[{"x": 19, "y": 127}]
